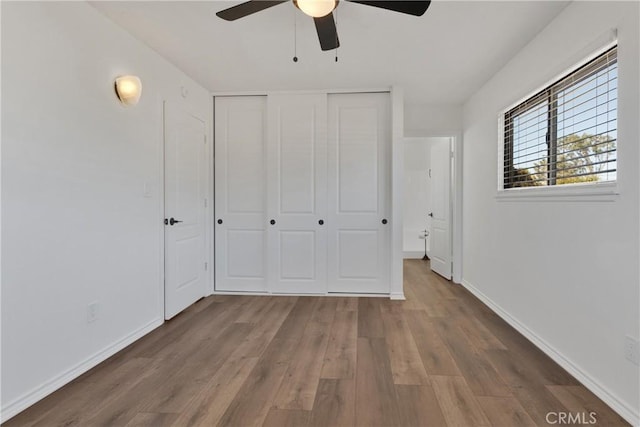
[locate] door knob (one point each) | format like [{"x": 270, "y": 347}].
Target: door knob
[
  {"x": 384, "y": 221},
  {"x": 272, "y": 222},
  {"x": 431, "y": 214},
  {"x": 321, "y": 222},
  {"x": 173, "y": 221},
  {"x": 219, "y": 221}
]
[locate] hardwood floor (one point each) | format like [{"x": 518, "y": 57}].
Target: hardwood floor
[{"x": 440, "y": 358}]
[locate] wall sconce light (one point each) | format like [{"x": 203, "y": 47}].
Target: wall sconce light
[{"x": 128, "y": 89}]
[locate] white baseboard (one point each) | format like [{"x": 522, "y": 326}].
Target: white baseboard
[
  {"x": 413, "y": 254},
  {"x": 397, "y": 296},
  {"x": 23, "y": 402},
  {"x": 594, "y": 386},
  {"x": 298, "y": 294}
]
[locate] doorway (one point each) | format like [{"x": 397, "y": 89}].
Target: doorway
[{"x": 429, "y": 171}]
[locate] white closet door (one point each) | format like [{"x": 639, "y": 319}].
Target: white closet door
[
  {"x": 297, "y": 193},
  {"x": 240, "y": 196},
  {"x": 359, "y": 152}
]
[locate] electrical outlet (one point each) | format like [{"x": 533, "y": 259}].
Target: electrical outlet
[
  {"x": 632, "y": 349},
  {"x": 92, "y": 312}
]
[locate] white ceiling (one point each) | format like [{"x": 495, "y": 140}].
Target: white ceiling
[{"x": 442, "y": 57}]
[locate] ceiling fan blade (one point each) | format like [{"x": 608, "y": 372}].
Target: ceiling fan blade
[
  {"x": 247, "y": 8},
  {"x": 327, "y": 32},
  {"x": 416, "y": 8}
]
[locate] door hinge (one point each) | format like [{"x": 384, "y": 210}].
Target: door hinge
[
  {"x": 429, "y": 173},
  {"x": 205, "y": 203},
  {"x": 205, "y": 139},
  {"x": 206, "y": 266}
]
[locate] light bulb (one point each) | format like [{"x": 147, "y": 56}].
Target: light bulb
[{"x": 316, "y": 8}]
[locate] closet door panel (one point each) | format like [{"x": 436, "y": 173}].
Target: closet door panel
[
  {"x": 240, "y": 194},
  {"x": 297, "y": 192},
  {"x": 359, "y": 145}
]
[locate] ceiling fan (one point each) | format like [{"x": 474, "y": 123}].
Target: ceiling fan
[{"x": 322, "y": 13}]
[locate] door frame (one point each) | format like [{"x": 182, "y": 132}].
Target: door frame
[{"x": 455, "y": 196}]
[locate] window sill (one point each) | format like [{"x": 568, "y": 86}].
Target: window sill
[{"x": 606, "y": 192}]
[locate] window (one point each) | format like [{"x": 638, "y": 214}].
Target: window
[{"x": 566, "y": 133}]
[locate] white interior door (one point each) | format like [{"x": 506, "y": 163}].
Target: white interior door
[
  {"x": 359, "y": 153},
  {"x": 440, "y": 243},
  {"x": 297, "y": 193},
  {"x": 240, "y": 194},
  {"x": 185, "y": 184}
]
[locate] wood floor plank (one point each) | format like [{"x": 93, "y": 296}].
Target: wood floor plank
[
  {"x": 124, "y": 406},
  {"x": 526, "y": 385},
  {"x": 255, "y": 398},
  {"x": 505, "y": 411},
  {"x": 298, "y": 389},
  {"x": 208, "y": 407},
  {"x": 436, "y": 358},
  {"x": 376, "y": 401},
  {"x": 579, "y": 400},
  {"x": 286, "y": 418},
  {"x": 194, "y": 374},
  {"x": 479, "y": 373},
  {"x": 296, "y": 321},
  {"x": 347, "y": 304},
  {"x": 149, "y": 419},
  {"x": 418, "y": 406},
  {"x": 266, "y": 327},
  {"x": 340, "y": 357},
  {"x": 406, "y": 364},
  {"x": 180, "y": 329},
  {"x": 68, "y": 406},
  {"x": 458, "y": 404},
  {"x": 257, "y": 309},
  {"x": 325, "y": 310},
  {"x": 370, "y": 318},
  {"x": 478, "y": 335},
  {"x": 335, "y": 403}
]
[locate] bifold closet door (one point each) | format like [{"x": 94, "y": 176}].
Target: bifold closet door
[
  {"x": 359, "y": 154},
  {"x": 297, "y": 193},
  {"x": 240, "y": 193}
]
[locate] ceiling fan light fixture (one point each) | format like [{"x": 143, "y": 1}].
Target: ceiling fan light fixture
[{"x": 316, "y": 8}]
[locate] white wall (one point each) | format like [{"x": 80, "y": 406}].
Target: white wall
[
  {"x": 432, "y": 120},
  {"x": 76, "y": 226},
  {"x": 566, "y": 273}
]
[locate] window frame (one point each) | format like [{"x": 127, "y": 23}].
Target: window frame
[{"x": 547, "y": 94}]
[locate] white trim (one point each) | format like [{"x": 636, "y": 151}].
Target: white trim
[
  {"x": 590, "y": 192},
  {"x": 456, "y": 208},
  {"x": 284, "y": 92},
  {"x": 412, "y": 254},
  {"x": 397, "y": 296},
  {"x": 593, "y": 385},
  {"x": 292, "y": 294},
  {"x": 396, "y": 285},
  {"x": 161, "y": 206},
  {"x": 36, "y": 394}
]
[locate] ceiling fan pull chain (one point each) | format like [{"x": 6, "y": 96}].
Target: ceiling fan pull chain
[
  {"x": 295, "y": 36},
  {"x": 335, "y": 14}
]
